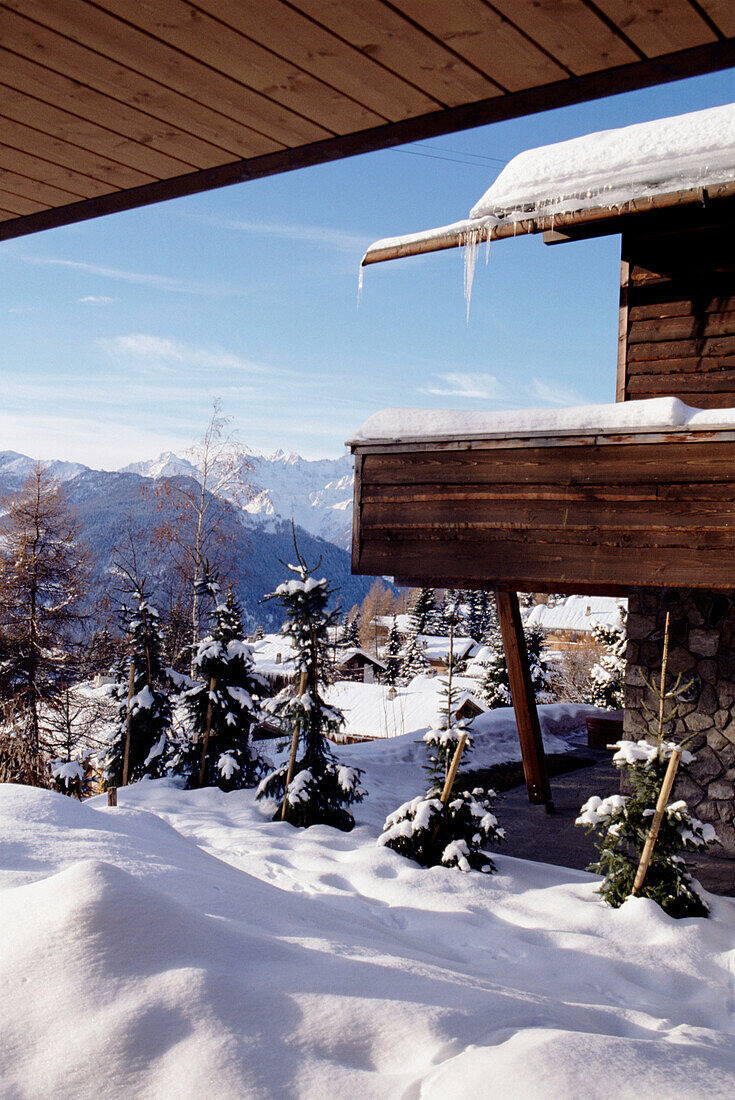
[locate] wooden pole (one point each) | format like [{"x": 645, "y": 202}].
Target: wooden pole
[
  {"x": 207, "y": 731},
  {"x": 524, "y": 700},
  {"x": 294, "y": 750},
  {"x": 131, "y": 691},
  {"x": 663, "y": 800},
  {"x": 453, "y": 769},
  {"x": 112, "y": 796},
  {"x": 664, "y": 662}
]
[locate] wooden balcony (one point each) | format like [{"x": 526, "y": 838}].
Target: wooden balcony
[{"x": 559, "y": 512}]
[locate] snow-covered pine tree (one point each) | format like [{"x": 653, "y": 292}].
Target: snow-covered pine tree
[
  {"x": 321, "y": 789},
  {"x": 422, "y": 610},
  {"x": 622, "y": 822},
  {"x": 454, "y": 833},
  {"x": 224, "y": 703},
  {"x": 148, "y": 717},
  {"x": 350, "y": 633},
  {"x": 607, "y": 676},
  {"x": 412, "y": 656},
  {"x": 495, "y": 686},
  {"x": 391, "y": 656}
]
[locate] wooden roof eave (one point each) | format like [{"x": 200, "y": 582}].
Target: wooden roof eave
[{"x": 569, "y": 225}]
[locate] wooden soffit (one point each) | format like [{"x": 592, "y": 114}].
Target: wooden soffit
[{"x": 111, "y": 105}]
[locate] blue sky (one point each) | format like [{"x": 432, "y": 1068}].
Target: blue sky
[{"x": 117, "y": 333}]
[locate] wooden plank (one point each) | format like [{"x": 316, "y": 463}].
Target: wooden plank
[
  {"x": 631, "y": 462},
  {"x": 683, "y": 349},
  {"x": 682, "y": 328},
  {"x": 623, "y": 325},
  {"x": 524, "y": 700},
  {"x": 531, "y": 585},
  {"x": 125, "y": 44},
  {"x": 211, "y": 41},
  {"x": 571, "y": 32},
  {"x": 395, "y": 42},
  {"x": 57, "y": 175},
  {"x": 605, "y": 536},
  {"x": 33, "y": 189},
  {"x": 683, "y": 307},
  {"x": 558, "y": 492},
  {"x": 485, "y": 39},
  {"x": 552, "y": 514},
  {"x": 654, "y": 31},
  {"x": 18, "y": 204},
  {"x": 357, "y": 513},
  {"x": 111, "y": 173},
  {"x": 692, "y": 383},
  {"x": 722, "y": 13},
  {"x": 687, "y": 567},
  {"x": 694, "y": 363},
  {"x": 316, "y": 50},
  {"x": 74, "y": 77}
]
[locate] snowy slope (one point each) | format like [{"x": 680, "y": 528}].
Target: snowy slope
[
  {"x": 317, "y": 494},
  {"x": 185, "y": 945}
]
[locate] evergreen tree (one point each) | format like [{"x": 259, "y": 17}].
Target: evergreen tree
[
  {"x": 350, "y": 632},
  {"x": 423, "y": 608},
  {"x": 223, "y": 704},
  {"x": 391, "y": 656},
  {"x": 607, "y": 676},
  {"x": 321, "y": 789},
  {"x": 495, "y": 686},
  {"x": 147, "y": 716},
  {"x": 412, "y": 656},
  {"x": 621, "y": 823}
]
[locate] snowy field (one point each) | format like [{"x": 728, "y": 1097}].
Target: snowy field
[{"x": 183, "y": 945}]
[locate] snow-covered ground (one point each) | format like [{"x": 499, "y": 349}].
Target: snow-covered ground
[{"x": 184, "y": 945}]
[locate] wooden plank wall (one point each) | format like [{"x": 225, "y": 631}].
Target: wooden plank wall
[
  {"x": 677, "y": 317},
  {"x": 536, "y": 517}
]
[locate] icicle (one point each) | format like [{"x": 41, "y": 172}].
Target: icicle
[
  {"x": 359, "y": 284},
  {"x": 470, "y": 260},
  {"x": 487, "y": 245}
]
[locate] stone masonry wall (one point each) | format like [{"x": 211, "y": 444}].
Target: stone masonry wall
[{"x": 702, "y": 648}]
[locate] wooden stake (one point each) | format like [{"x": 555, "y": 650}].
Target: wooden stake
[
  {"x": 131, "y": 691},
  {"x": 664, "y": 662},
  {"x": 207, "y": 731},
  {"x": 663, "y": 800},
  {"x": 112, "y": 796},
  {"x": 294, "y": 750},
  {"x": 453, "y": 769}
]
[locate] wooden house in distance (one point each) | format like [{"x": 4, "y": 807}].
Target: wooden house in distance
[{"x": 635, "y": 499}]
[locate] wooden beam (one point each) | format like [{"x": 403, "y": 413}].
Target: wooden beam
[
  {"x": 524, "y": 701},
  {"x": 621, "y": 78}
]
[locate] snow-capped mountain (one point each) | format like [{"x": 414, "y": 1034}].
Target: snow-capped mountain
[
  {"x": 316, "y": 494},
  {"x": 15, "y": 468}
]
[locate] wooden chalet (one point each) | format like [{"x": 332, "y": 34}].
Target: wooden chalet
[
  {"x": 632, "y": 500},
  {"x": 357, "y": 664}
]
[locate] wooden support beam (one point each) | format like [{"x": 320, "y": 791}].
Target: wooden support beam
[{"x": 524, "y": 702}]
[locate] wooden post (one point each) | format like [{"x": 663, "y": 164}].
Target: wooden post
[
  {"x": 131, "y": 690},
  {"x": 524, "y": 700},
  {"x": 294, "y": 750},
  {"x": 663, "y": 801},
  {"x": 112, "y": 796},
  {"x": 207, "y": 731}
]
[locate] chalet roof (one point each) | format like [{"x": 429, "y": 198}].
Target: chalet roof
[
  {"x": 600, "y": 176},
  {"x": 579, "y": 613},
  {"x": 111, "y": 105},
  {"x": 346, "y": 655}
]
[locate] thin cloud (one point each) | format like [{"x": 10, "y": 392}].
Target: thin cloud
[
  {"x": 141, "y": 278},
  {"x": 97, "y": 299},
  {"x": 160, "y": 351},
  {"x": 555, "y": 395},
  {"x": 341, "y": 239},
  {"x": 478, "y": 386}
]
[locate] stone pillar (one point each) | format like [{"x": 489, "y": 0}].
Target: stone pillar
[{"x": 702, "y": 649}]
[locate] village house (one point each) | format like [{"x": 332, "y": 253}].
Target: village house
[
  {"x": 568, "y": 624},
  {"x": 630, "y": 500},
  {"x": 357, "y": 664}
]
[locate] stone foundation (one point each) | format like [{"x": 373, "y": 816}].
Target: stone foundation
[{"x": 702, "y": 649}]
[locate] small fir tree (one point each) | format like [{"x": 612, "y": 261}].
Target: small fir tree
[
  {"x": 350, "y": 633},
  {"x": 146, "y": 717},
  {"x": 423, "y": 609},
  {"x": 607, "y": 676},
  {"x": 495, "y": 686},
  {"x": 320, "y": 789},
  {"x": 391, "y": 656},
  {"x": 224, "y": 703},
  {"x": 622, "y": 822},
  {"x": 413, "y": 656}
]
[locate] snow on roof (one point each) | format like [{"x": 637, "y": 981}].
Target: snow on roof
[
  {"x": 273, "y": 654},
  {"x": 370, "y": 711},
  {"x": 346, "y": 655},
  {"x": 609, "y": 169},
  {"x": 577, "y": 613},
  {"x": 654, "y": 414},
  {"x": 437, "y": 646},
  {"x": 613, "y": 167}
]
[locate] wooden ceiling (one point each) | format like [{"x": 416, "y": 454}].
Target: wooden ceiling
[{"x": 111, "y": 105}]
